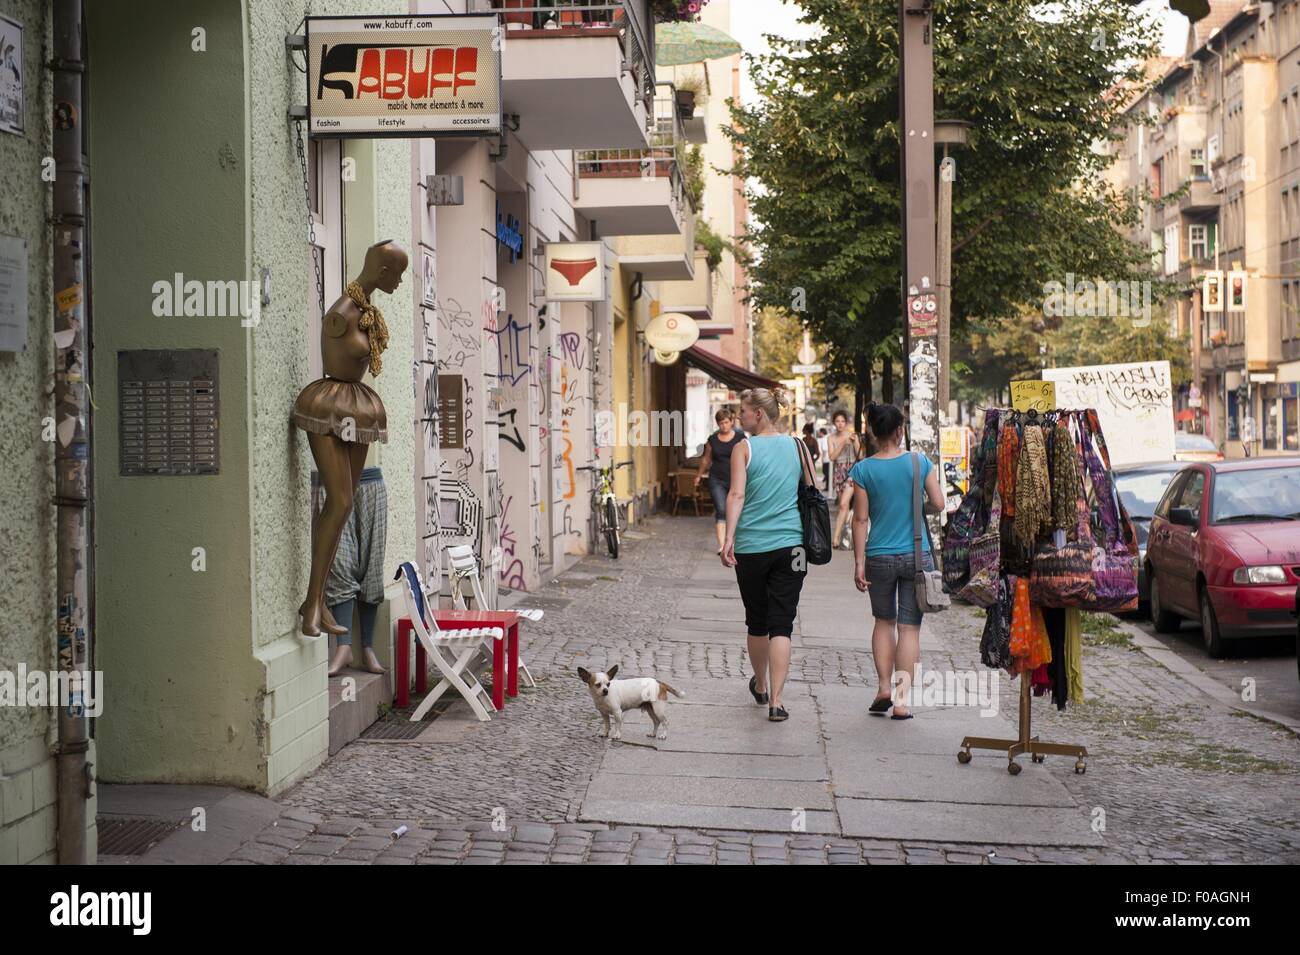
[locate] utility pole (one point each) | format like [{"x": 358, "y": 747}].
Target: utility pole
[
  {"x": 921, "y": 320},
  {"x": 72, "y": 425}
]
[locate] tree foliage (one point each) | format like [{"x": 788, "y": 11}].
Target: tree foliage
[{"x": 1030, "y": 204}]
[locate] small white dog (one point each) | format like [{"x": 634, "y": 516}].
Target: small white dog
[{"x": 612, "y": 697}]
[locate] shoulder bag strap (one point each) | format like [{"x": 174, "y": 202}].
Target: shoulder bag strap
[
  {"x": 918, "y": 518},
  {"x": 803, "y": 466}
]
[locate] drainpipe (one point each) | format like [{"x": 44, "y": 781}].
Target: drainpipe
[{"x": 72, "y": 420}]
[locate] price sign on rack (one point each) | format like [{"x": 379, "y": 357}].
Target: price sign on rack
[{"x": 1033, "y": 395}]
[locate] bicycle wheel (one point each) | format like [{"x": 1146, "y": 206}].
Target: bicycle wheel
[{"x": 611, "y": 527}]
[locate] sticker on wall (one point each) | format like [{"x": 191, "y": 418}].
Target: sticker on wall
[{"x": 11, "y": 76}]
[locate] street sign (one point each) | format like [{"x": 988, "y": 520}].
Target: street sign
[
  {"x": 1263, "y": 377},
  {"x": 807, "y": 354},
  {"x": 807, "y": 369}
]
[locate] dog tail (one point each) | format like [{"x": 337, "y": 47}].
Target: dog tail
[{"x": 671, "y": 690}]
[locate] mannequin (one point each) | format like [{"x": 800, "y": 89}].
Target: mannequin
[{"x": 342, "y": 416}]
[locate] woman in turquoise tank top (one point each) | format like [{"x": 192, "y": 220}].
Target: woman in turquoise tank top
[{"x": 764, "y": 540}]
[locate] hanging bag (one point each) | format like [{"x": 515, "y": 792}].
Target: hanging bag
[
  {"x": 1114, "y": 559},
  {"x": 814, "y": 513},
  {"x": 986, "y": 561},
  {"x": 995, "y": 644},
  {"x": 930, "y": 595},
  {"x": 1062, "y": 576}
]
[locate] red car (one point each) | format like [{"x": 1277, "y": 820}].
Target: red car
[{"x": 1224, "y": 548}]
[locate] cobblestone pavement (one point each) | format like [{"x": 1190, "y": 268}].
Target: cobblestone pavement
[{"x": 1173, "y": 775}]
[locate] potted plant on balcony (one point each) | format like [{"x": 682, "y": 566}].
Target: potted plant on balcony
[
  {"x": 1219, "y": 337},
  {"x": 676, "y": 11}
]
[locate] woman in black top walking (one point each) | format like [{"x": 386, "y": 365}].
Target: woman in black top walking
[{"x": 716, "y": 463}]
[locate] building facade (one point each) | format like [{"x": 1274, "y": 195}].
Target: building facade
[{"x": 200, "y": 170}]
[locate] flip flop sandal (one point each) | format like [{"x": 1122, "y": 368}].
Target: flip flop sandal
[
  {"x": 895, "y": 716},
  {"x": 880, "y": 706},
  {"x": 777, "y": 714},
  {"x": 759, "y": 698}
]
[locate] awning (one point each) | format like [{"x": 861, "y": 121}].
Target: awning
[{"x": 725, "y": 371}]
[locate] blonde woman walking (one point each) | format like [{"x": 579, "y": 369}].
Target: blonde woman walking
[{"x": 763, "y": 532}]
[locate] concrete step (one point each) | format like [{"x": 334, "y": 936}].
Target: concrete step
[{"x": 350, "y": 717}]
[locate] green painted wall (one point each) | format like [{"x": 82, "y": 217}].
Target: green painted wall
[{"x": 169, "y": 194}]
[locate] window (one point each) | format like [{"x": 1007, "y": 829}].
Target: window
[
  {"x": 1192, "y": 493},
  {"x": 1198, "y": 242},
  {"x": 1212, "y": 149},
  {"x": 1198, "y": 166},
  {"x": 1171, "y": 249}
]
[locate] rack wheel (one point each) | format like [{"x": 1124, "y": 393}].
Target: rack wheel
[
  {"x": 1013, "y": 768},
  {"x": 1038, "y": 757},
  {"x": 1080, "y": 767},
  {"x": 963, "y": 757}
]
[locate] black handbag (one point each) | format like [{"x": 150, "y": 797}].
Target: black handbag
[{"x": 814, "y": 513}]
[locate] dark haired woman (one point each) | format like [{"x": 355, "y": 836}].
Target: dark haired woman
[
  {"x": 884, "y": 563},
  {"x": 846, "y": 448},
  {"x": 716, "y": 463}
]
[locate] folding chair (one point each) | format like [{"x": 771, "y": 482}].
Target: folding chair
[
  {"x": 465, "y": 642},
  {"x": 464, "y": 566}
]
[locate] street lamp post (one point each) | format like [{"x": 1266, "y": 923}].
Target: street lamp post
[{"x": 948, "y": 132}]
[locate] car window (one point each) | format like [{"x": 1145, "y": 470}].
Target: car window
[
  {"x": 1257, "y": 495},
  {"x": 1171, "y": 492},
  {"x": 1192, "y": 493},
  {"x": 1141, "y": 490}
]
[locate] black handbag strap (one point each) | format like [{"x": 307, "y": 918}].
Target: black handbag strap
[
  {"x": 918, "y": 521},
  {"x": 805, "y": 467}
]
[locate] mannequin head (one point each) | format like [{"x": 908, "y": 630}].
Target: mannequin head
[{"x": 383, "y": 268}]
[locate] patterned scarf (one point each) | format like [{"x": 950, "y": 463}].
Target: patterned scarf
[
  {"x": 1008, "y": 446},
  {"x": 372, "y": 323},
  {"x": 1065, "y": 479},
  {"x": 1033, "y": 489}
]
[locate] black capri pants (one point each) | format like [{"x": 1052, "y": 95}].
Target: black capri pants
[{"x": 770, "y": 583}]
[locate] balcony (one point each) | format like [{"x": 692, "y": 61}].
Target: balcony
[
  {"x": 661, "y": 258},
  {"x": 1199, "y": 197},
  {"x": 695, "y": 297},
  {"x": 637, "y": 191},
  {"x": 578, "y": 75}
]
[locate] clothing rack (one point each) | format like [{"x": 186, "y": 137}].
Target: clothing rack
[{"x": 1037, "y": 749}]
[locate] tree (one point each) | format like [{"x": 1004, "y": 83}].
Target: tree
[{"x": 822, "y": 142}]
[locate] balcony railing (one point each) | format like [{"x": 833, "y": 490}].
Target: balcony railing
[
  {"x": 664, "y": 158},
  {"x": 631, "y": 18}
]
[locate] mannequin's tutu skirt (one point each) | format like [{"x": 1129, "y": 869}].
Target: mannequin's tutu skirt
[{"x": 346, "y": 409}]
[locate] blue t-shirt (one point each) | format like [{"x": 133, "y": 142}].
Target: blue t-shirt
[{"x": 888, "y": 483}]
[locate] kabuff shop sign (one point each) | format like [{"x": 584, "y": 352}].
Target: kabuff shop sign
[{"x": 403, "y": 76}]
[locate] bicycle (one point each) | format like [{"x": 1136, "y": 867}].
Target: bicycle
[{"x": 604, "y": 504}]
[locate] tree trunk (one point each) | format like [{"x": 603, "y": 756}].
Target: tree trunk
[
  {"x": 862, "y": 390},
  {"x": 887, "y": 380}
]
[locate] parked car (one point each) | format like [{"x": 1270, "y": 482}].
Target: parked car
[
  {"x": 1224, "y": 547},
  {"x": 1195, "y": 447},
  {"x": 1141, "y": 486}
]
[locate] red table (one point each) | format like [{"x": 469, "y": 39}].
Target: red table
[{"x": 502, "y": 683}]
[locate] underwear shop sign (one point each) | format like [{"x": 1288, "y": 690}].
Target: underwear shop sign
[
  {"x": 672, "y": 332},
  {"x": 575, "y": 271},
  {"x": 403, "y": 76}
]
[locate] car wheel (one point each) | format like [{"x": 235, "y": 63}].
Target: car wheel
[
  {"x": 1210, "y": 627},
  {"x": 1165, "y": 621}
]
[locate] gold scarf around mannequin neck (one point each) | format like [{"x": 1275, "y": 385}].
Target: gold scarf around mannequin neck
[{"x": 372, "y": 323}]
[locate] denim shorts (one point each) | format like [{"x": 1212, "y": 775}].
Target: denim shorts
[
  {"x": 719, "y": 491},
  {"x": 893, "y": 586}
]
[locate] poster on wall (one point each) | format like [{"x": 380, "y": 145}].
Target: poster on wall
[
  {"x": 403, "y": 76},
  {"x": 11, "y": 76},
  {"x": 575, "y": 271},
  {"x": 1134, "y": 402},
  {"x": 13, "y": 293}
]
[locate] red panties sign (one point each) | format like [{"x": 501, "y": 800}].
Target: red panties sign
[{"x": 575, "y": 271}]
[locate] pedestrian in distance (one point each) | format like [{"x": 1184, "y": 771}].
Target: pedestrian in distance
[
  {"x": 824, "y": 445},
  {"x": 884, "y": 561},
  {"x": 845, "y": 450},
  {"x": 810, "y": 442},
  {"x": 715, "y": 466},
  {"x": 764, "y": 539}
]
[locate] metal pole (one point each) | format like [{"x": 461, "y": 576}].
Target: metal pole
[
  {"x": 947, "y": 170},
  {"x": 916, "y": 94},
  {"x": 72, "y": 419}
]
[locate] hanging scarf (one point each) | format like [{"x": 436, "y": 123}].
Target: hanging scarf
[
  {"x": 1008, "y": 446},
  {"x": 1033, "y": 491},
  {"x": 372, "y": 323},
  {"x": 1065, "y": 479}
]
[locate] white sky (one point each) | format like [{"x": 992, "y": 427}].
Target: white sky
[{"x": 753, "y": 18}]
